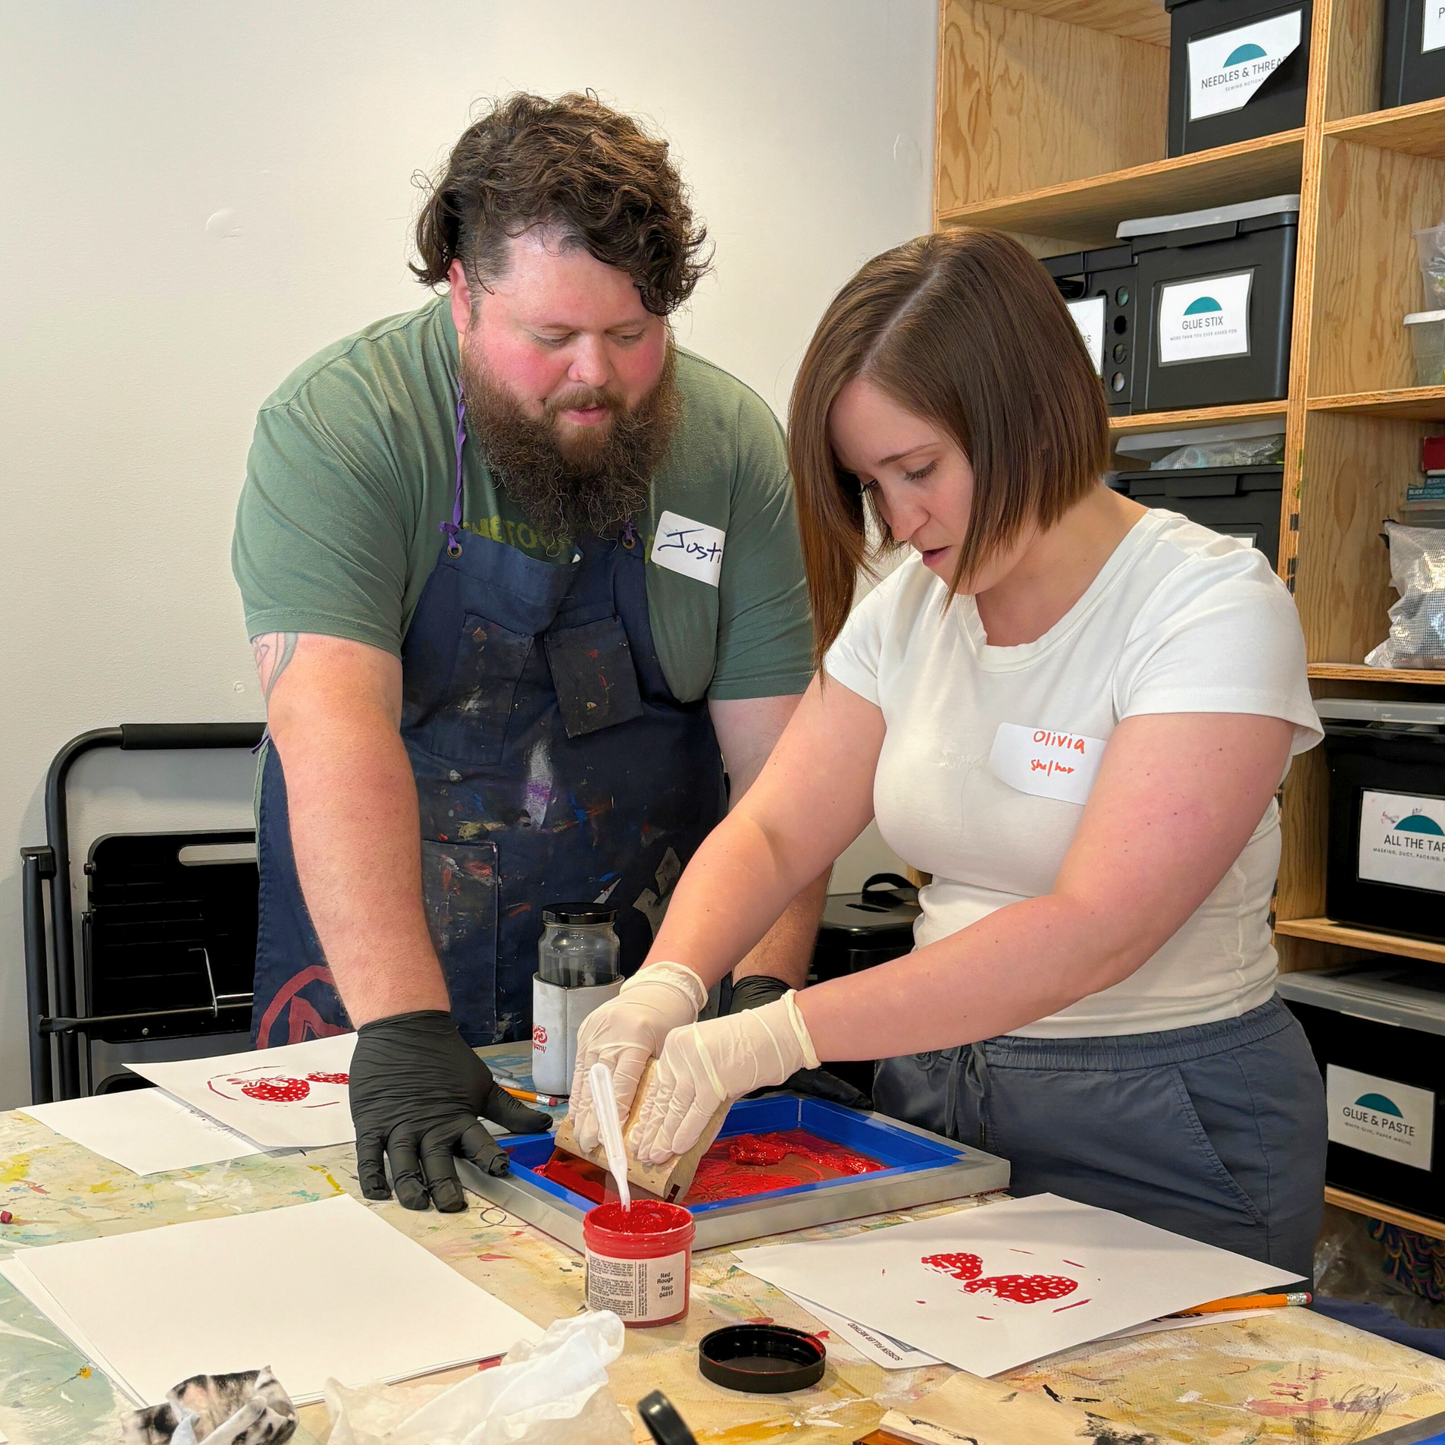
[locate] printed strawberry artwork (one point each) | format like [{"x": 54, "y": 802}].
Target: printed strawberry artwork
[
  {"x": 277, "y": 1090},
  {"x": 1024, "y": 1289},
  {"x": 319, "y": 1078}
]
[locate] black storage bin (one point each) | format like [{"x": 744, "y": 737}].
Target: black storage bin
[
  {"x": 1100, "y": 290},
  {"x": 1239, "y": 502},
  {"x": 1386, "y": 863},
  {"x": 1216, "y": 299},
  {"x": 858, "y": 931},
  {"x": 1412, "y": 65},
  {"x": 1376, "y": 1031},
  {"x": 1238, "y": 69}
]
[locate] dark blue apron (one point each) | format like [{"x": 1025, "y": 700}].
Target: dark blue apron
[{"x": 552, "y": 762}]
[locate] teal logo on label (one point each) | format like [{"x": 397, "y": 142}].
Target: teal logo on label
[
  {"x": 1379, "y": 1103},
  {"x": 1201, "y": 304},
  {"x": 1238, "y": 56},
  {"x": 1420, "y": 823}
]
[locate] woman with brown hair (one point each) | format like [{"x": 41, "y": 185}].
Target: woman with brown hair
[{"x": 1074, "y": 714}]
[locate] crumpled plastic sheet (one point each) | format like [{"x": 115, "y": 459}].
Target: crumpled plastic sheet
[
  {"x": 552, "y": 1393},
  {"x": 1417, "y": 621},
  {"x": 1350, "y": 1264}
]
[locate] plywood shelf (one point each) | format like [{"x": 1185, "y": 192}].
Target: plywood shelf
[
  {"x": 1358, "y": 672},
  {"x": 1326, "y": 930},
  {"x": 1091, "y": 209},
  {"x": 1358, "y": 1204},
  {"x": 1144, "y": 20},
  {"x": 1407, "y": 403},
  {"x": 1147, "y": 421},
  {"x": 1413, "y": 130}
]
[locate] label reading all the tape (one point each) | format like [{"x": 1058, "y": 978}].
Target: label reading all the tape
[
  {"x": 1402, "y": 840},
  {"x": 1432, "y": 28},
  {"x": 1379, "y": 1116},
  {"x": 1205, "y": 318},
  {"x": 637, "y": 1289},
  {"x": 1088, "y": 316},
  {"x": 691, "y": 548},
  {"x": 1226, "y": 69},
  {"x": 1045, "y": 763}
]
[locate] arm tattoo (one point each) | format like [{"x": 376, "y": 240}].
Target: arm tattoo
[{"x": 273, "y": 652}]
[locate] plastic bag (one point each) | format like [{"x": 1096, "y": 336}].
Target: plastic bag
[
  {"x": 551, "y": 1393},
  {"x": 1430, "y": 244},
  {"x": 1417, "y": 620},
  {"x": 1240, "y": 452}
]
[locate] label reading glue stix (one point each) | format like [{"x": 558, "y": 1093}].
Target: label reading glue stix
[{"x": 639, "y": 1290}]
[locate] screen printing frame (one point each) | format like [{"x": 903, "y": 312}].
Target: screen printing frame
[{"x": 921, "y": 1168}]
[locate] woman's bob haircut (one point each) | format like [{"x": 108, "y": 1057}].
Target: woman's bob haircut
[{"x": 966, "y": 330}]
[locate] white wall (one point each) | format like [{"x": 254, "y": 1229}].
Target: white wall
[{"x": 199, "y": 196}]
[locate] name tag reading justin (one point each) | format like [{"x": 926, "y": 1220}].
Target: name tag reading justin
[
  {"x": 692, "y": 548},
  {"x": 1045, "y": 763}
]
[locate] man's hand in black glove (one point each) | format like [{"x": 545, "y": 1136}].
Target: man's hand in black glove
[
  {"x": 416, "y": 1093},
  {"x": 759, "y": 988}
]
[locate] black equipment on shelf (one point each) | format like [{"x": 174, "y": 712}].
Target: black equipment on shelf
[{"x": 174, "y": 934}]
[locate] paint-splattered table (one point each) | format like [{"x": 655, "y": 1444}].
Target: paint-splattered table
[{"x": 1289, "y": 1375}]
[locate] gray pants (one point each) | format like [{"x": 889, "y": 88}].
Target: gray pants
[{"x": 1216, "y": 1132}]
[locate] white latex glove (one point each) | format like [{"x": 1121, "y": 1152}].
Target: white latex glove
[
  {"x": 706, "y": 1064},
  {"x": 627, "y": 1031}
]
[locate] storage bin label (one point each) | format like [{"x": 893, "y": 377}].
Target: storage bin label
[
  {"x": 1226, "y": 69},
  {"x": 1379, "y": 1116},
  {"x": 1432, "y": 26},
  {"x": 1204, "y": 318},
  {"x": 1088, "y": 316},
  {"x": 1402, "y": 840},
  {"x": 1045, "y": 763}
]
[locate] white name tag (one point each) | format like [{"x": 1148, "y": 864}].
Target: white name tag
[
  {"x": 692, "y": 548},
  {"x": 1045, "y": 763}
]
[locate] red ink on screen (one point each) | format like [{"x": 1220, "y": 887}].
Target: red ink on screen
[{"x": 735, "y": 1168}]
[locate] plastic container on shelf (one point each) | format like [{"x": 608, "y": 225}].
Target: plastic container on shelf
[
  {"x": 639, "y": 1261},
  {"x": 1412, "y": 58},
  {"x": 1238, "y": 69},
  {"x": 1427, "y": 338},
  {"x": 1378, "y": 1035},
  {"x": 1099, "y": 288},
  {"x": 1216, "y": 299},
  {"x": 1240, "y": 502}
]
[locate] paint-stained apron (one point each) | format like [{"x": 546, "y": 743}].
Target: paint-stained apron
[{"x": 552, "y": 762}]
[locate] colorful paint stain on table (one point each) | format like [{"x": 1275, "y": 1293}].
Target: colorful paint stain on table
[{"x": 735, "y": 1168}]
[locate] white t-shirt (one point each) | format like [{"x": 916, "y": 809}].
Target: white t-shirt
[{"x": 1179, "y": 619}]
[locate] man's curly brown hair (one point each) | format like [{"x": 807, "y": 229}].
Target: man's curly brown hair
[{"x": 574, "y": 165}]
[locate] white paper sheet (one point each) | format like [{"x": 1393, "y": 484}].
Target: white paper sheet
[
  {"x": 143, "y": 1130},
  {"x": 292, "y": 1097},
  {"x": 1090, "y": 1271},
  {"x": 887, "y": 1353},
  {"x": 313, "y": 1290}
]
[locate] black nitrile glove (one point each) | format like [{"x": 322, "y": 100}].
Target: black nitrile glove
[
  {"x": 759, "y": 988},
  {"x": 416, "y": 1093}
]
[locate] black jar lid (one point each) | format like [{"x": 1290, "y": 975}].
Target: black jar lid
[
  {"x": 578, "y": 913},
  {"x": 762, "y": 1359},
  {"x": 663, "y": 1422}
]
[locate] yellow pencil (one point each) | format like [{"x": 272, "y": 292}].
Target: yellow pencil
[
  {"x": 1247, "y": 1302},
  {"x": 530, "y": 1097}
]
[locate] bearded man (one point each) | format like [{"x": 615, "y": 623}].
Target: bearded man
[{"x": 525, "y": 590}]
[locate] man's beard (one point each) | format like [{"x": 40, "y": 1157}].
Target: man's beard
[{"x": 597, "y": 480}]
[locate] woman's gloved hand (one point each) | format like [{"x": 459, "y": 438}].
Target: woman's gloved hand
[
  {"x": 418, "y": 1095},
  {"x": 627, "y": 1031},
  {"x": 707, "y": 1064}
]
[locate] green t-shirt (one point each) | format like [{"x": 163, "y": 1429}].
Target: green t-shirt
[{"x": 353, "y": 470}]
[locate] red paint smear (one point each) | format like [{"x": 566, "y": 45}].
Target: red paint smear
[
  {"x": 1075, "y": 1265},
  {"x": 494, "y": 1256},
  {"x": 736, "y": 1168},
  {"x": 1073, "y": 1306},
  {"x": 1280, "y": 1407}
]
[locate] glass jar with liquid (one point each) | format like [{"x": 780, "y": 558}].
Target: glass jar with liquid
[{"x": 578, "y": 948}]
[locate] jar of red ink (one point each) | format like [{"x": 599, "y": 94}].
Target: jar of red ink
[{"x": 639, "y": 1260}]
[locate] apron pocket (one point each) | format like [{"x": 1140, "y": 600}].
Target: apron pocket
[
  {"x": 471, "y": 724},
  {"x": 459, "y": 891},
  {"x": 593, "y": 675}
]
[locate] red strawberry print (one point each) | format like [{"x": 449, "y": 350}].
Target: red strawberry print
[
  {"x": 960, "y": 1266},
  {"x": 329, "y": 1078},
  {"x": 278, "y": 1090},
  {"x": 1023, "y": 1289}
]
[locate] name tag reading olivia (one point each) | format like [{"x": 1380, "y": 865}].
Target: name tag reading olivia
[
  {"x": 1045, "y": 763},
  {"x": 691, "y": 548}
]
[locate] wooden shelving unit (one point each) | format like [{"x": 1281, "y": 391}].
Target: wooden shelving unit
[
  {"x": 1358, "y": 1204},
  {"x": 1051, "y": 124}
]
